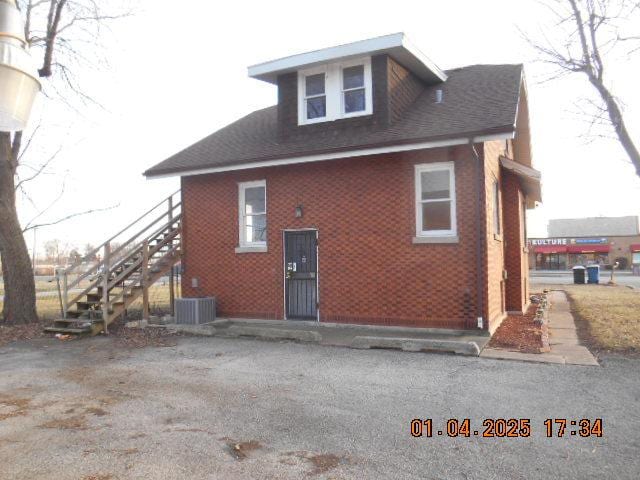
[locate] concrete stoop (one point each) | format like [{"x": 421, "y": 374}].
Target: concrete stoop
[{"x": 351, "y": 336}]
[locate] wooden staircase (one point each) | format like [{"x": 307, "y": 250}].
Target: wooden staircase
[{"x": 102, "y": 290}]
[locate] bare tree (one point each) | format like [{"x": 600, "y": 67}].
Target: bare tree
[
  {"x": 590, "y": 32},
  {"x": 54, "y": 30}
]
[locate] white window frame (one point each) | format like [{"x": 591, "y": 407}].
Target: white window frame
[
  {"x": 242, "y": 187},
  {"x": 334, "y": 93},
  {"x": 302, "y": 94},
  {"x": 434, "y": 167},
  {"x": 368, "y": 93},
  {"x": 496, "y": 207}
]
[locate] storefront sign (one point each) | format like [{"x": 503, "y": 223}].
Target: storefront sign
[
  {"x": 589, "y": 241},
  {"x": 548, "y": 241},
  {"x": 568, "y": 241}
]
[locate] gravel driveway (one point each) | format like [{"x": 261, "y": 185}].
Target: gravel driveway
[{"x": 211, "y": 408}]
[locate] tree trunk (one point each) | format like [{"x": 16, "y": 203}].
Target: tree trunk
[{"x": 19, "y": 287}]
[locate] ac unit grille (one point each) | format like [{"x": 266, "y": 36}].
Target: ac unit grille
[{"x": 195, "y": 311}]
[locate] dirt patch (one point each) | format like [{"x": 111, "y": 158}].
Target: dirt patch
[
  {"x": 324, "y": 463},
  {"x": 108, "y": 476},
  {"x": 143, "y": 337},
  {"x": 97, "y": 411},
  {"x": 241, "y": 450},
  {"x": 15, "y": 333},
  {"x": 521, "y": 334},
  {"x": 321, "y": 463},
  {"x": 11, "y": 407},
  {"x": 127, "y": 451},
  {"x": 77, "y": 422}
]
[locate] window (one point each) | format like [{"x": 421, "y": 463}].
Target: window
[
  {"x": 315, "y": 96},
  {"x": 496, "y": 208},
  {"x": 253, "y": 213},
  {"x": 353, "y": 90},
  {"x": 435, "y": 200},
  {"x": 334, "y": 91}
]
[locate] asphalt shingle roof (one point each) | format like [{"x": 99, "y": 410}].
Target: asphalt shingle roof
[
  {"x": 478, "y": 99},
  {"x": 594, "y": 227}
]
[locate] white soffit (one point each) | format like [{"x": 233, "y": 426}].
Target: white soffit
[{"x": 396, "y": 45}]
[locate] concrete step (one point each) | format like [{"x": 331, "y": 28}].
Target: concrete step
[{"x": 73, "y": 331}]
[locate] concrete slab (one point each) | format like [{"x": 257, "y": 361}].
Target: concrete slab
[
  {"x": 417, "y": 345},
  {"x": 499, "y": 354},
  {"x": 272, "y": 333},
  {"x": 352, "y": 336}
]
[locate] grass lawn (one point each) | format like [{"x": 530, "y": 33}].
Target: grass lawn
[
  {"x": 49, "y": 305},
  {"x": 609, "y": 317}
]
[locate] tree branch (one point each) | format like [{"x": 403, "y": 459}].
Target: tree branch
[{"x": 68, "y": 217}]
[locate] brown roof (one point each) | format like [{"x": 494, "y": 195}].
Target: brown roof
[{"x": 479, "y": 99}]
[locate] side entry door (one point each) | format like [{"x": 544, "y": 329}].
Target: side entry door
[{"x": 301, "y": 273}]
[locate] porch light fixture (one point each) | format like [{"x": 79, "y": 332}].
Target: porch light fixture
[
  {"x": 299, "y": 211},
  {"x": 19, "y": 83}
]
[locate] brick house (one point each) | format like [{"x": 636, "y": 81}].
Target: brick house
[{"x": 379, "y": 190}]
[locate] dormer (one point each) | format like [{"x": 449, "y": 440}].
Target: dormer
[{"x": 365, "y": 83}]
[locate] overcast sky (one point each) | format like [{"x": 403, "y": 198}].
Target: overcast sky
[{"x": 177, "y": 72}]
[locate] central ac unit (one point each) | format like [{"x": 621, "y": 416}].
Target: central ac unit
[{"x": 195, "y": 311}]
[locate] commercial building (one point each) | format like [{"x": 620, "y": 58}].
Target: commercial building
[{"x": 587, "y": 241}]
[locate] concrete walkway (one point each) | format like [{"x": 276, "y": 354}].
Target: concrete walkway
[
  {"x": 341, "y": 335},
  {"x": 563, "y": 339}
]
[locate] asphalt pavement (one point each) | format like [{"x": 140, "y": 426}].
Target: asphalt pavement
[
  {"x": 566, "y": 278},
  {"x": 216, "y": 408}
]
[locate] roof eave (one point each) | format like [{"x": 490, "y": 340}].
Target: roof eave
[
  {"x": 500, "y": 133},
  {"x": 397, "y": 45}
]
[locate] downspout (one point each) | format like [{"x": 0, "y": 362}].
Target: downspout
[{"x": 481, "y": 236}]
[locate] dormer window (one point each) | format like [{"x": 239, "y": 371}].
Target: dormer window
[
  {"x": 315, "y": 96},
  {"x": 334, "y": 91}
]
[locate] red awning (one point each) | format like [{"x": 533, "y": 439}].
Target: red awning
[
  {"x": 588, "y": 248},
  {"x": 635, "y": 247},
  {"x": 550, "y": 249}
]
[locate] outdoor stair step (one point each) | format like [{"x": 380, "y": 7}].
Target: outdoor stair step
[
  {"x": 77, "y": 320},
  {"x": 67, "y": 330},
  {"x": 87, "y": 304}
]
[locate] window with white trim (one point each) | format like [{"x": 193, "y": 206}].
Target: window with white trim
[
  {"x": 497, "y": 228},
  {"x": 435, "y": 200},
  {"x": 334, "y": 91},
  {"x": 252, "y": 208}
]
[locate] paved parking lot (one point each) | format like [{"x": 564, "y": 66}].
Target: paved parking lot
[{"x": 213, "y": 408}]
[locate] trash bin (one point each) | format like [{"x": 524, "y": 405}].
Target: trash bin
[
  {"x": 593, "y": 273},
  {"x": 578, "y": 274}
]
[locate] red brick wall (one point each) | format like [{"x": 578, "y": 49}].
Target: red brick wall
[
  {"x": 369, "y": 269},
  {"x": 495, "y": 242},
  {"x": 516, "y": 258}
]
